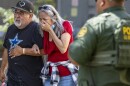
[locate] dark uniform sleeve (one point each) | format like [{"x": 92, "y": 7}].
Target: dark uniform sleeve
[
  {"x": 81, "y": 50},
  {"x": 38, "y": 39}
]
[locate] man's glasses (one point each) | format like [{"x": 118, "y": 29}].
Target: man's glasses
[{"x": 19, "y": 12}]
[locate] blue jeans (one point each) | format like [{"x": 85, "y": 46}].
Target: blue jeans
[{"x": 64, "y": 81}]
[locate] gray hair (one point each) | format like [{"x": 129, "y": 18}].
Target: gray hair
[{"x": 51, "y": 11}]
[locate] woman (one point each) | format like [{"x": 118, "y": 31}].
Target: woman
[{"x": 57, "y": 38}]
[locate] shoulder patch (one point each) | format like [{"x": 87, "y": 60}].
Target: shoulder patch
[{"x": 82, "y": 32}]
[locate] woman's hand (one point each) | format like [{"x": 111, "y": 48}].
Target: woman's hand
[
  {"x": 45, "y": 26},
  {"x": 36, "y": 49}
]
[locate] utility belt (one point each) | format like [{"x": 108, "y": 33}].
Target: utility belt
[
  {"x": 104, "y": 58},
  {"x": 111, "y": 58},
  {"x": 114, "y": 59}
]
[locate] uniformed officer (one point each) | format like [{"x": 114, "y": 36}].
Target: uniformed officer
[{"x": 95, "y": 44}]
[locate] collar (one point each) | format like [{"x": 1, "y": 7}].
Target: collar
[{"x": 115, "y": 8}]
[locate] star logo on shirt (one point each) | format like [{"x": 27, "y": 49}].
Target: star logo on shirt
[{"x": 15, "y": 41}]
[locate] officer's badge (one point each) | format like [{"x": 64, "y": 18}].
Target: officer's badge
[{"x": 82, "y": 32}]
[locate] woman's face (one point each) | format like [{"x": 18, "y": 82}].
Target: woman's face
[{"x": 43, "y": 16}]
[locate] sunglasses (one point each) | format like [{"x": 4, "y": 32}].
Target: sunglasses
[{"x": 46, "y": 8}]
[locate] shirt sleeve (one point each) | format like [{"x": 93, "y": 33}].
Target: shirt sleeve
[
  {"x": 38, "y": 39},
  {"x": 68, "y": 27},
  {"x": 81, "y": 50}
]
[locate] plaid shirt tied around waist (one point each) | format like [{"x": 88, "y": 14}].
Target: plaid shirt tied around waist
[{"x": 55, "y": 78}]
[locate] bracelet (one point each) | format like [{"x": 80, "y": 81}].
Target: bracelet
[{"x": 23, "y": 50}]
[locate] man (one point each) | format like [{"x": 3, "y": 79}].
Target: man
[
  {"x": 95, "y": 48},
  {"x": 25, "y": 68}
]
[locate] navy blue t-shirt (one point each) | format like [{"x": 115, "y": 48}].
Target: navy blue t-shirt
[{"x": 25, "y": 67}]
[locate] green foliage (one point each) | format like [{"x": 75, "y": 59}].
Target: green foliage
[{"x": 7, "y": 19}]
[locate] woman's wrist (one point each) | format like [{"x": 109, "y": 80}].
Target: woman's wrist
[{"x": 51, "y": 32}]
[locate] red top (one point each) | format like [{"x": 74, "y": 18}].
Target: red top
[{"x": 54, "y": 55}]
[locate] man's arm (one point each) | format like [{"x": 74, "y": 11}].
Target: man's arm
[
  {"x": 4, "y": 64},
  {"x": 74, "y": 62},
  {"x": 34, "y": 51},
  {"x": 82, "y": 48}
]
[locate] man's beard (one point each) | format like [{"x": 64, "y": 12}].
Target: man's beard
[{"x": 17, "y": 23}]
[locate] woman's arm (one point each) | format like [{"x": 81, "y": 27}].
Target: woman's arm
[{"x": 61, "y": 43}]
